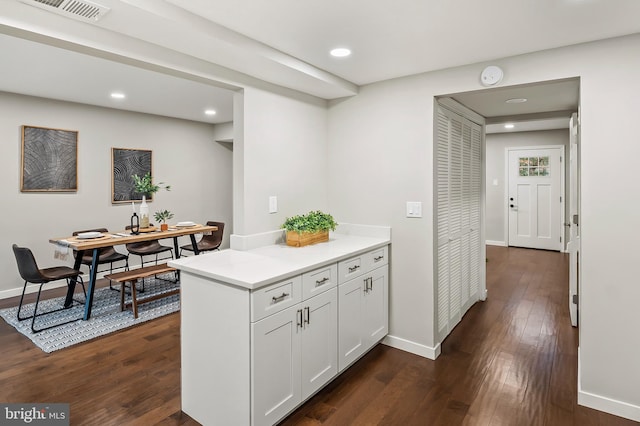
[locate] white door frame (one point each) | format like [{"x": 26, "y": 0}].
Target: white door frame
[{"x": 562, "y": 187}]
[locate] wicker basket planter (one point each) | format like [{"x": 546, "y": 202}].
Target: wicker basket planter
[{"x": 295, "y": 239}]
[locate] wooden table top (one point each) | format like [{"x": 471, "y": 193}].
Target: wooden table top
[{"x": 108, "y": 239}]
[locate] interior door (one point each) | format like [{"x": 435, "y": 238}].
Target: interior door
[
  {"x": 535, "y": 203},
  {"x": 573, "y": 246}
]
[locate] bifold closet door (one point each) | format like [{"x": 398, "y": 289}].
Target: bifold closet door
[{"x": 458, "y": 216}]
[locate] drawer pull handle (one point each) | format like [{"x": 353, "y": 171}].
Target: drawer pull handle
[
  {"x": 322, "y": 281},
  {"x": 280, "y": 298},
  {"x": 354, "y": 268},
  {"x": 378, "y": 258}
]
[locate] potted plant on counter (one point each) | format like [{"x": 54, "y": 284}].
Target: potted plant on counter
[
  {"x": 310, "y": 228},
  {"x": 162, "y": 216}
]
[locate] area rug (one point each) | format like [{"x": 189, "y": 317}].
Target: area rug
[{"x": 105, "y": 315}]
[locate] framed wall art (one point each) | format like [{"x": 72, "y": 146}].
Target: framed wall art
[
  {"x": 49, "y": 160},
  {"x": 124, "y": 164}
]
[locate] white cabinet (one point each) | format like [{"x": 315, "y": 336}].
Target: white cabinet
[
  {"x": 250, "y": 356},
  {"x": 319, "y": 341},
  {"x": 363, "y": 305},
  {"x": 275, "y": 366},
  {"x": 294, "y": 351}
]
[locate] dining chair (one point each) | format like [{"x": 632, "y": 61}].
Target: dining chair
[
  {"x": 208, "y": 242},
  {"x": 30, "y": 273},
  {"x": 105, "y": 255},
  {"x": 149, "y": 248}
]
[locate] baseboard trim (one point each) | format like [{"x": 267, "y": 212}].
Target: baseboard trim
[
  {"x": 413, "y": 347},
  {"x": 602, "y": 403},
  {"x": 495, "y": 243},
  {"x": 31, "y": 288}
]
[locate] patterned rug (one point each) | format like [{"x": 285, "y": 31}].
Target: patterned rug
[{"x": 105, "y": 315}]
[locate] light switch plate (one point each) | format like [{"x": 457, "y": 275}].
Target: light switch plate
[
  {"x": 414, "y": 209},
  {"x": 273, "y": 204}
]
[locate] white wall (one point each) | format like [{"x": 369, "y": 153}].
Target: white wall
[
  {"x": 380, "y": 156},
  {"x": 495, "y": 220},
  {"x": 282, "y": 143},
  {"x": 184, "y": 156}
]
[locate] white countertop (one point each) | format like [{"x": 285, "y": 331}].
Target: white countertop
[{"x": 252, "y": 269}]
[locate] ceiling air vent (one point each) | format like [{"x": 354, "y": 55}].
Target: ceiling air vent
[{"x": 79, "y": 9}]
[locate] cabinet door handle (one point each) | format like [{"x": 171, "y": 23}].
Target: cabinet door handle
[
  {"x": 378, "y": 258},
  {"x": 276, "y": 299},
  {"x": 368, "y": 284},
  {"x": 307, "y": 315},
  {"x": 299, "y": 317},
  {"x": 322, "y": 281},
  {"x": 354, "y": 268}
]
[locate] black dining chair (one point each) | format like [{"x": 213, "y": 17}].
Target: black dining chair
[
  {"x": 149, "y": 248},
  {"x": 30, "y": 273},
  {"x": 208, "y": 242},
  {"x": 106, "y": 255}
]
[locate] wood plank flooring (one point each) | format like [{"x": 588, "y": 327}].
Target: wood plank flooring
[{"x": 511, "y": 361}]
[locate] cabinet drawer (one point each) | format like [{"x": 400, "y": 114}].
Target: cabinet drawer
[
  {"x": 378, "y": 257},
  {"x": 351, "y": 268},
  {"x": 275, "y": 297},
  {"x": 319, "y": 280}
]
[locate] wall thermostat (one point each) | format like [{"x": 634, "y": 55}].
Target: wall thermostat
[{"x": 491, "y": 75}]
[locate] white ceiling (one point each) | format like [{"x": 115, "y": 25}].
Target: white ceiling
[{"x": 284, "y": 42}]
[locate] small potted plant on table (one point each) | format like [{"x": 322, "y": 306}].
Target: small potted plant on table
[
  {"x": 162, "y": 216},
  {"x": 310, "y": 228}
]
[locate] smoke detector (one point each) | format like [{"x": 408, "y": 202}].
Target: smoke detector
[{"x": 82, "y": 10}]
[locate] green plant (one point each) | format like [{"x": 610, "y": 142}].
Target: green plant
[
  {"x": 144, "y": 185},
  {"x": 313, "y": 221},
  {"x": 162, "y": 215}
]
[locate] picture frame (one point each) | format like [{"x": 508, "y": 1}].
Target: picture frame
[
  {"x": 49, "y": 160},
  {"x": 126, "y": 162}
]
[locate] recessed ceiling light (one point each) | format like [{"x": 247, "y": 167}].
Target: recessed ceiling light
[
  {"x": 509, "y": 126},
  {"x": 516, "y": 101},
  {"x": 340, "y": 52},
  {"x": 210, "y": 112},
  {"x": 118, "y": 95}
]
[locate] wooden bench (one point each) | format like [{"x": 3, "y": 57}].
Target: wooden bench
[{"x": 134, "y": 275}]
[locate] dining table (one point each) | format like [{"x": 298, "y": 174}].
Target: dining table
[{"x": 109, "y": 239}]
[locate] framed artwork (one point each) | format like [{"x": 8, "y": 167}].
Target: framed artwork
[
  {"x": 124, "y": 164},
  {"x": 49, "y": 160}
]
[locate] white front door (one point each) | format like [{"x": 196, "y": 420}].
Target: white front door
[{"x": 534, "y": 199}]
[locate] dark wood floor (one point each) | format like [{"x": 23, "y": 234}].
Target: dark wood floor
[{"x": 511, "y": 361}]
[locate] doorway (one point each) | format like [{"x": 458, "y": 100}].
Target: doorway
[
  {"x": 540, "y": 108},
  {"x": 535, "y": 194}
]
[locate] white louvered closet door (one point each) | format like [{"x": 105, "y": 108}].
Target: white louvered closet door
[{"x": 459, "y": 275}]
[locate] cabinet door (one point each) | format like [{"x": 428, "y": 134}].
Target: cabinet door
[
  {"x": 375, "y": 308},
  {"x": 350, "y": 335},
  {"x": 319, "y": 341},
  {"x": 275, "y": 363}
]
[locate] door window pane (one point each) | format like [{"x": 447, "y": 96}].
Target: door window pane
[{"x": 533, "y": 166}]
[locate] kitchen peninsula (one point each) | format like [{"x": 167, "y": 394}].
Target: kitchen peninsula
[{"x": 264, "y": 326}]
